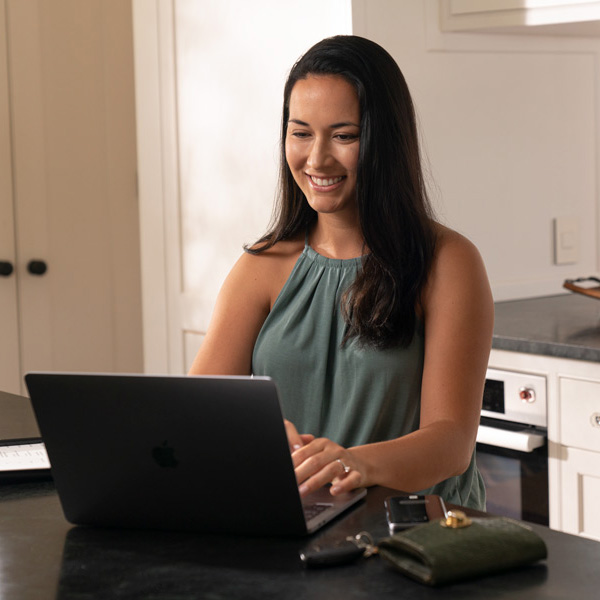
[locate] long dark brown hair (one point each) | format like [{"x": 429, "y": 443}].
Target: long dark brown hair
[{"x": 394, "y": 210}]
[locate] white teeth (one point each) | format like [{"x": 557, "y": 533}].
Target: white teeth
[{"x": 325, "y": 182}]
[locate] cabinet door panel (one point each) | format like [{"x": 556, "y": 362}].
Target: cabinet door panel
[
  {"x": 72, "y": 119},
  {"x": 9, "y": 332},
  {"x": 580, "y": 492},
  {"x": 580, "y": 413}
]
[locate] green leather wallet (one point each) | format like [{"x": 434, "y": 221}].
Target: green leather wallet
[{"x": 445, "y": 551}]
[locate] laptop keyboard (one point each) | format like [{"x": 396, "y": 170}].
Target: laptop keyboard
[
  {"x": 23, "y": 456},
  {"x": 312, "y": 510}
]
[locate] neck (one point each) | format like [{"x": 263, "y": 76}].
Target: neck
[{"x": 333, "y": 238}]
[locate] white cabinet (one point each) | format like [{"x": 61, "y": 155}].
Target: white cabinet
[
  {"x": 580, "y": 492},
  {"x": 573, "y": 392},
  {"x": 9, "y": 335},
  {"x": 580, "y": 455},
  {"x": 68, "y": 189},
  {"x": 548, "y": 17},
  {"x": 580, "y": 413}
]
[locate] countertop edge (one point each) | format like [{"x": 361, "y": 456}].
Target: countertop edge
[{"x": 554, "y": 349}]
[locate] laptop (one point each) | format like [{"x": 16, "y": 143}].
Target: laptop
[
  {"x": 191, "y": 453},
  {"x": 22, "y": 453}
]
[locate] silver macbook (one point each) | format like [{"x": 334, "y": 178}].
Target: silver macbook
[{"x": 174, "y": 452}]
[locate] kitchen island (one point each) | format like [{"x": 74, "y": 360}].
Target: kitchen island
[{"x": 43, "y": 557}]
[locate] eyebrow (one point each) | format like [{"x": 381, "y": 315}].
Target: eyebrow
[{"x": 333, "y": 126}]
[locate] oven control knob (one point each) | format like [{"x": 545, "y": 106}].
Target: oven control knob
[{"x": 527, "y": 395}]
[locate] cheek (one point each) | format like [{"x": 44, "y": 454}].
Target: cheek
[
  {"x": 351, "y": 160},
  {"x": 294, "y": 156}
]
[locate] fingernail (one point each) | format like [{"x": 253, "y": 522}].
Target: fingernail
[
  {"x": 335, "y": 489},
  {"x": 297, "y": 446},
  {"x": 303, "y": 489}
]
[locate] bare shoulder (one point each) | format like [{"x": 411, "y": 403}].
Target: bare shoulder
[
  {"x": 267, "y": 271},
  {"x": 242, "y": 306},
  {"x": 457, "y": 270},
  {"x": 455, "y": 255},
  {"x": 282, "y": 251},
  {"x": 451, "y": 245}
]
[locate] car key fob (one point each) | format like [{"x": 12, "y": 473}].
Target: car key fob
[{"x": 341, "y": 553}]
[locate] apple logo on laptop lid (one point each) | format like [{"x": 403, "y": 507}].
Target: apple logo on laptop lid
[{"x": 164, "y": 455}]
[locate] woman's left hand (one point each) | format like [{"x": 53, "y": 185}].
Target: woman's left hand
[{"x": 322, "y": 461}]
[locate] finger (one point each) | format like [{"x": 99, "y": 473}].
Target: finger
[
  {"x": 295, "y": 440},
  {"x": 320, "y": 468},
  {"x": 319, "y": 479},
  {"x": 311, "y": 457},
  {"x": 351, "y": 481},
  {"x": 332, "y": 464},
  {"x": 320, "y": 455}
]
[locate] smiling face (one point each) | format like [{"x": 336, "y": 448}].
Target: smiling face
[{"x": 322, "y": 142}]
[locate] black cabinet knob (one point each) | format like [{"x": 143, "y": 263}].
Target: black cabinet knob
[
  {"x": 6, "y": 268},
  {"x": 37, "y": 267}
]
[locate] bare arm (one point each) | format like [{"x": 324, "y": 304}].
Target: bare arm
[
  {"x": 240, "y": 310},
  {"x": 458, "y": 316},
  {"x": 242, "y": 306}
]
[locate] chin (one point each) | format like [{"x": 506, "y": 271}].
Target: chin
[{"x": 331, "y": 206}]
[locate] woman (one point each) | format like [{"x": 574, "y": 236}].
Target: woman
[{"x": 374, "y": 320}]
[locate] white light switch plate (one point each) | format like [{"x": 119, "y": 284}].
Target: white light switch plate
[{"x": 566, "y": 240}]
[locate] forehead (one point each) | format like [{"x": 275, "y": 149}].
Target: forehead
[{"x": 324, "y": 95}]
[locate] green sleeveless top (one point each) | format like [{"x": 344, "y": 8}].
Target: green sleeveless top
[{"x": 350, "y": 394}]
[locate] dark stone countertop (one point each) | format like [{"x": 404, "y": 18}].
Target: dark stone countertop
[
  {"x": 564, "y": 326},
  {"x": 43, "y": 557}
]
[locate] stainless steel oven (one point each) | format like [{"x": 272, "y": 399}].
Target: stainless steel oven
[{"x": 512, "y": 445}]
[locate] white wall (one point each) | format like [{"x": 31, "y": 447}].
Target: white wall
[
  {"x": 511, "y": 131},
  {"x": 232, "y": 62},
  {"x": 508, "y": 121},
  {"x": 209, "y": 86}
]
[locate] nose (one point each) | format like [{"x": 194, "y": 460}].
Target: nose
[{"x": 319, "y": 155}]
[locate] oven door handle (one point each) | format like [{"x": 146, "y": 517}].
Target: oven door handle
[{"x": 521, "y": 441}]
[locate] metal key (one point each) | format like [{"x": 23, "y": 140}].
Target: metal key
[{"x": 365, "y": 541}]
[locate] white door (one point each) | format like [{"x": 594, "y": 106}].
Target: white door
[
  {"x": 72, "y": 149},
  {"x": 9, "y": 336},
  {"x": 209, "y": 83}
]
